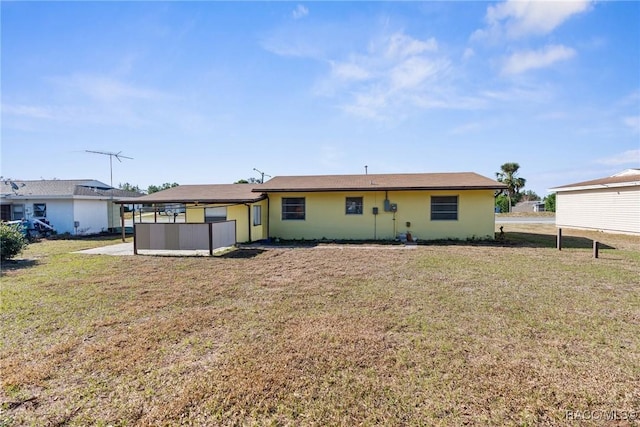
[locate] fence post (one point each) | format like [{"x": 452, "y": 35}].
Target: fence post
[
  {"x": 135, "y": 241},
  {"x": 210, "y": 239},
  {"x": 559, "y": 239},
  {"x": 595, "y": 248}
]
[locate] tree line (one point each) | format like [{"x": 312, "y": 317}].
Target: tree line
[{"x": 149, "y": 190}]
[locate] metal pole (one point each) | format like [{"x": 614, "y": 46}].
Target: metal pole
[
  {"x": 595, "y": 249},
  {"x": 122, "y": 221},
  {"x": 559, "y": 239}
]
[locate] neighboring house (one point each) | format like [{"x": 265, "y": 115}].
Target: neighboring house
[
  {"x": 349, "y": 207},
  {"x": 83, "y": 206},
  {"x": 529, "y": 206},
  {"x": 608, "y": 204}
]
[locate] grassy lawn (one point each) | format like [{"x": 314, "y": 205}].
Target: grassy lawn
[{"x": 456, "y": 334}]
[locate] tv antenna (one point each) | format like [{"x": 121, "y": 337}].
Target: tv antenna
[
  {"x": 262, "y": 174},
  {"x": 111, "y": 155}
]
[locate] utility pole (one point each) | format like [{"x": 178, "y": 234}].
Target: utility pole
[{"x": 262, "y": 175}]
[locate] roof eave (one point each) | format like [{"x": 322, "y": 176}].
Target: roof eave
[
  {"x": 135, "y": 200},
  {"x": 595, "y": 186},
  {"x": 381, "y": 188}
]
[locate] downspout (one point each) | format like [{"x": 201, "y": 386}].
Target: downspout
[
  {"x": 268, "y": 217},
  {"x": 249, "y": 219}
]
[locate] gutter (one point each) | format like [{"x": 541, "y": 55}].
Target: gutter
[{"x": 351, "y": 189}]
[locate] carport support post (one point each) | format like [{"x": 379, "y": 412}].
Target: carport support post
[
  {"x": 596, "y": 248},
  {"x": 122, "y": 221},
  {"x": 559, "y": 239}
]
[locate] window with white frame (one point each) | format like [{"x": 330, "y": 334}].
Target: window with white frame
[
  {"x": 17, "y": 212},
  {"x": 40, "y": 210},
  {"x": 217, "y": 214},
  {"x": 354, "y": 206},
  {"x": 444, "y": 208},
  {"x": 293, "y": 208},
  {"x": 257, "y": 215}
]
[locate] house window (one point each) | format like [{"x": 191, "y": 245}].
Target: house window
[
  {"x": 354, "y": 206},
  {"x": 293, "y": 208},
  {"x": 17, "y": 212},
  {"x": 257, "y": 215},
  {"x": 218, "y": 214},
  {"x": 40, "y": 210},
  {"x": 6, "y": 212},
  {"x": 444, "y": 208}
]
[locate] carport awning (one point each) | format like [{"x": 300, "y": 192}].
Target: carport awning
[{"x": 200, "y": 194}]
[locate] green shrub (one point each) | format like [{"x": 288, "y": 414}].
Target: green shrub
[
  {"x": 550, "y": 203},
  {"x": 502, "y": 201},
  {"x": 12, "y": 241}
]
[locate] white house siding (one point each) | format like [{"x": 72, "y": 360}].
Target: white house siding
[
  {"x": 92, "y": 216},
  {"x": 611, "y": 209},
  {"x": 59, "y": 212}
]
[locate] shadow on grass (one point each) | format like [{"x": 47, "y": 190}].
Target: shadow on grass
[
  {"x": 242, "y": 253},
  {"x": 93, "y": 237},
  {"x": 534, "y": 240},
  {"x": 16, "y": 264},
  {"x": 514, "y": 239}
]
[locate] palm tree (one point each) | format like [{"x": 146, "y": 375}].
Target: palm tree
[{"x": 508, "y": 176}]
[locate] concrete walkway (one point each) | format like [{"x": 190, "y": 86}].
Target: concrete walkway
[
  {"x": 120, "y": 249},
  {"x": 126, "y": 249}
]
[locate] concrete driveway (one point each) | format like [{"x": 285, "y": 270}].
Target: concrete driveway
[{"x": 525, "y": 219}]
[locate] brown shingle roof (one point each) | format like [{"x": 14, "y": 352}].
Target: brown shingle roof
[
  {"x": 211, "y": 193},
  {"x": 378, "y": 182},
  {"x": 615, "y": 181}
]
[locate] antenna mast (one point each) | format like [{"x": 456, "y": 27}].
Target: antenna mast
[{"x": 111, "y": 155}]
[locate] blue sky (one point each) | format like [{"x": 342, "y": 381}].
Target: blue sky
[{"x": 203, "y": 92}]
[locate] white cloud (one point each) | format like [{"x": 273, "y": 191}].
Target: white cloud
[
  {"x": 520, "y": 62},
  {"x": 629, "y": 157},
  {"x": 367, "y": 104},
  {"x": 468, "y": 54},
  {"x": 396, "y": 71},
  {"x": 400, "y": 45},
  {"x": 299, "y": 12},
  {"x": 349, "y": 71},
  {"x": 105, "y": 88},
  {"x": 633, "y": 122},
  {"x": 519, "y": 18},
  {"x": 467, "y": 128},
  {"x": 29, "y": 111},
  {"x": 412, "y": 72}
]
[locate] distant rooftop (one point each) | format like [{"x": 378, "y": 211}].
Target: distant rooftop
[
  {"x": 628, "y": 177},
  {"x": 60, "y": 188}
]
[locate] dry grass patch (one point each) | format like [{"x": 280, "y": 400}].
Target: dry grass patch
[{"x": 436, "y": 335}]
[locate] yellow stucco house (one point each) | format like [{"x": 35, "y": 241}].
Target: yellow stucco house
[{"x": 426, "y": 206}]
